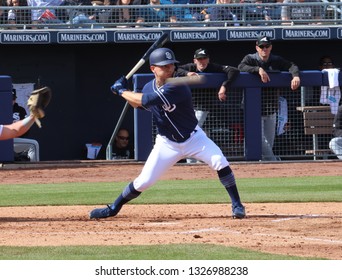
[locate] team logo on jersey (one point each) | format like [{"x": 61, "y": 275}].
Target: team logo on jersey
[
  {"x": 16, "y": 117},
  {"x": 169, "y": 108}
]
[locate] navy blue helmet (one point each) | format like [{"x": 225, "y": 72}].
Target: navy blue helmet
[{"x": 162, "y": 56}]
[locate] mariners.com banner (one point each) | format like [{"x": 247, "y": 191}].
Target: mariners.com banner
[{"x": 191, "y": 35}]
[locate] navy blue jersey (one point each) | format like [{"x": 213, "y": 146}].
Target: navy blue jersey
[{"x": 172, "y": 109}]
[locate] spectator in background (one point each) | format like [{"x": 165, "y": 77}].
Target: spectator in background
[
  {"x": 18, "y": 16},
  {"x": 101, "y": 15},
  {"x": 257, "y": 13},
  {"x": 221, "y": 13},
  {"x": 38, "y": 15},
  {"x": 87, "y": 17},
  {"x": 289, "y": 14},
  {"x": 335, "y": 144},
  {"x": 126, "y": 15},
  {"x": 260, "y": 63},
  {"x": 139, "y": 22},
  {"x": 153, "y": 15},
  {"x": 24, "y": 148},
  {"x": 199, "y": 13},
  {"x": 121, "y": 147},
  {"x": 3, "y": 12},
  {"x": 177, "y": 14},
  {"x": 274, "y": 11}
]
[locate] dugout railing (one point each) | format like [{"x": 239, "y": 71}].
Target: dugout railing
[
  {"x": 235, "y": 125},
  {"x": 73, "y": 16}
]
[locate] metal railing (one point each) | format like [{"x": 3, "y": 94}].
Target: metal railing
[{"x": 173, "y": 16}]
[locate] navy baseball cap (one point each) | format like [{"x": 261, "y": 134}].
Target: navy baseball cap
[
  {"x": 263, "y": 40},
  {"x": 162, "y": 56},
  {"x": 201, "y": 53}
]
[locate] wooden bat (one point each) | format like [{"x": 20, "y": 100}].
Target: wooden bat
[{"x": 187, "y": 80}]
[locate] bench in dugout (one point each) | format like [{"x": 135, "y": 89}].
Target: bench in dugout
[{"x": 318, "y": 121}]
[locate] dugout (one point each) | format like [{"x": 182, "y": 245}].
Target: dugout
[
  {"x": 247, "y": 85},
  {"x": 83, "y": 110}
]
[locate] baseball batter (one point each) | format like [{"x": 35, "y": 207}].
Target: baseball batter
[{"x": 178, "y": 136}]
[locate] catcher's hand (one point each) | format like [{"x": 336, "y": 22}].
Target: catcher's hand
[{"x": 38, "y": 101}]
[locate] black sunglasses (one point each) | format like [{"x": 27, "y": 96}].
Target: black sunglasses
[
  {"x": 123, "y": 138},
  {"x": 327, "y": 63},
  {"x": 264, "y": 46}
]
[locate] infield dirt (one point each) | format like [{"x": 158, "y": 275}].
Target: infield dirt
[{"x": 301, "y": 229}]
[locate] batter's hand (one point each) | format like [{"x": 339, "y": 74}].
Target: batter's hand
[
  {"x": 119, "y": 86},
  {"x": 295, "y": 83}
]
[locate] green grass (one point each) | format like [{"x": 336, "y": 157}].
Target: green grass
[
  {"x": 161, "y": 252},
  {"x": 303, "y": 189}
]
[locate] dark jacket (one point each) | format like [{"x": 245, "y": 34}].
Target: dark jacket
[
  {"x": 19, "y": 112},
  {"x": 251, "y": 63},
  {"x": 122, "y": 153}
]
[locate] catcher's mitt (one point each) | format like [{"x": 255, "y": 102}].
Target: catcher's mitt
[{"x": 38, "y": 101}]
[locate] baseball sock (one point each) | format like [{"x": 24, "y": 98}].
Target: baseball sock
[
  {"x": 127, "y": 194},
  {"x": 228, "y": 181}
]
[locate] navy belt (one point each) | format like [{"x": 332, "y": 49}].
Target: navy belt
[{"x": 183, "y": 139}]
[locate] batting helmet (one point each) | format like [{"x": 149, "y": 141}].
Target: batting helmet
[{"x": 162, "y": 56}]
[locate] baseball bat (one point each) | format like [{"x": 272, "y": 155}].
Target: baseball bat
[
  {"x": 187, "y": 80},
  {"x": 157, "y": 44}
]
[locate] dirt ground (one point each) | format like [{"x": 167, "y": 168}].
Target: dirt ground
[{"x": 301, "y": 229}]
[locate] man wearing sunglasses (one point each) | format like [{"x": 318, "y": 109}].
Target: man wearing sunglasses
[
  {"x": 121, "y": 148},
  {"x": 260, "y": 63}
]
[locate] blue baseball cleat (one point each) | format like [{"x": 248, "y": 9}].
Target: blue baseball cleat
[
  {"x": 100, "y": 213},
  {"x": 239, "y": 212}
]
